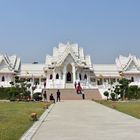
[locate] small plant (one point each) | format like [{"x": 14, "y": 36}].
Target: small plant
[
  {"x": 113, "y": 96},
  {"x": 34, "y": 116},
  {"x": 114, "y": 106},
  {"x": 106, "y": 93},
  {"x": 45, "y": 106}
]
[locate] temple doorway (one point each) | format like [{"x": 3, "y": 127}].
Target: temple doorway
[
  {"x": 69, "y": 74},
  {"x": 69, "y": 77}
]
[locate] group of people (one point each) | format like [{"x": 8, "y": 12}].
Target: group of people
[
  {"x": 79, "y": 89},
  {"x": 51, "y": 97}
]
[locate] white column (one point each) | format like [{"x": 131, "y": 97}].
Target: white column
[
  {"x": 54, "y": 78},
  {"x": 64, "y": 75},
  {"x": 40, "y": 81},
  {"x": 73, "y": 71}
]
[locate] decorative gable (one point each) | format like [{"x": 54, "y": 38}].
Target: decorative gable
[
  {"x": 69, "y": 59},
  {"x": 130, "y": 63},
  {"x": 3, "y": 64},
  {"x": 64, "y": 52},
  {"x": 132, "y": 66}
]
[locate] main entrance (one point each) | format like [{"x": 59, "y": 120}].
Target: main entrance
[
  {"x": 69, "y": 74},
  {"x": 69, "y": 77}
]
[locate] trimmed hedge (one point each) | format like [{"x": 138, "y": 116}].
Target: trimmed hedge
[{"x": 8, "y": 93}]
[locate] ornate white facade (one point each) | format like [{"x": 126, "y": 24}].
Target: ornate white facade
[
  {"x": 9, "y": 67},
  {"x": 69, "y": 64}
]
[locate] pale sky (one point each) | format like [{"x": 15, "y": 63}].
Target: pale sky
[{"x": 104, "y": 28}]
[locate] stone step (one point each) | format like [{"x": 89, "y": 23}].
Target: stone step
[
  {"x": 70, "y": 94},
  {"x": 69, "y": 86}
]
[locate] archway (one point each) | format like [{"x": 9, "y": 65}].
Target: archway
[
  {"x": 69, "y": 77},
  {"x": 69, "y": 74}
]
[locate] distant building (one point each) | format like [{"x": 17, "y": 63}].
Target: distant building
[
  {"x": 69, "y": 64},
  {"x": 9, "y": 67}
]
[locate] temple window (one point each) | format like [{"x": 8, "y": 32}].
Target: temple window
[
  {"x": 51, "y": 77},
  {"x": 99, "y": 81},
  {"x": 3, "y": 79},
  {"x": 132, "y": 79},
  {"x": 57, "y": 76},
  {"x": 80, "y": 77},
  {"x": 118, "y": 80},
  {"x": 85, "y": 76}
]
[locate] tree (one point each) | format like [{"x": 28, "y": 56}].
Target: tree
[
  {"x": 113, "y": 96},
  {"x": 132, "y": 92},
  {"x": 124, "y": 83},
  {"x": 106, "y": 93},
  {"x": 117, "y": 91}
]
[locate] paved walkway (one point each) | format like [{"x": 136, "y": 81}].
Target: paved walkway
[{"x": 87, "y": 120}]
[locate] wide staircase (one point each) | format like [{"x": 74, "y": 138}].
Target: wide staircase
[
  {"x": 69, "y": 85},
  {"x": 70, "y": 94}
]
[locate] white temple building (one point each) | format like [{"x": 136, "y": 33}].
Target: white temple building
[
  {"x": 69, "y": 64},
  {"x": 9, "y": 67}
]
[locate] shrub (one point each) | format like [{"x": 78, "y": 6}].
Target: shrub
[
  {"x": 106, "y": 93},
  {"x": 132, "y": 92},
  {"x": 37, "y": 96},
  {"x": 8, "y": 93},
  {"x": 113, "y": 96},
  {"x": 4, "y": 93}
]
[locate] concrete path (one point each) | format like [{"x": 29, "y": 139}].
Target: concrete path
[{"x": 87, "y": 120}]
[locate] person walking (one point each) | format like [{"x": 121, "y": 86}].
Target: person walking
[
  {"x": 75, "y": 84},
  {"x": 83, "y": 95},
  {"x": 45, "y": 96},
  {"x": 58, "y": 95}
]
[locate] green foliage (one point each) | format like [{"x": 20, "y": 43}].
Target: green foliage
[
  {"x": 4, "y": 93},
  {"x": 14, "y": 92},
  {"x": 127, "y": 92},
  {"x": 124, "y": 83},
  {"x": 132, "y": 107},
  {"x": 122, "y": 88},
  {"x": 16, "y": 79},
  {"x": 138, "y": 93},
  {"x": 106, "y": 93},
  {"x": 113, "y": 96},
  {"x": 37, "y": 96},
  {"x": 132, "y": 92},
  {"x": 15, "y": 118}
]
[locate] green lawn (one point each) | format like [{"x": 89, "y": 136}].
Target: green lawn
[
  {"x": 15, "y": 118},
  {"x": 132, "y": 107}
]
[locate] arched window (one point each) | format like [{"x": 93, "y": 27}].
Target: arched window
[
  {"x": 85, "y": 77},
  {"x": 57, "y": 76},
  {"x": 80, "y": 77},
  {"x": 69, "y": 77},
  {"x": 3, "y": 79},
  {"x": 51, "y": 77},
  {"x": 132, "y": 79}
]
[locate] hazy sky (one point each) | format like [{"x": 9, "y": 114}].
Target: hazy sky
[{"x": 104, "y": 28}]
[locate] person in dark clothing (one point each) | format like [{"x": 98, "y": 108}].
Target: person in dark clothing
[
  {"x": 44, "y": 84},
  {"x": 83, "y": 95},
  {"x": 75, "y": 84},
  {"x": 45, "y": 96},
  {"x": 52, "y": 98},
  {"x": 79, "y": 88},
  {"x": 58, "y": 95}
]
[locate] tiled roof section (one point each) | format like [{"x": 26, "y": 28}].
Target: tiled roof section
[
  {"x": 106, "y": 70},
  {"x": 32, "y": 70}
]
